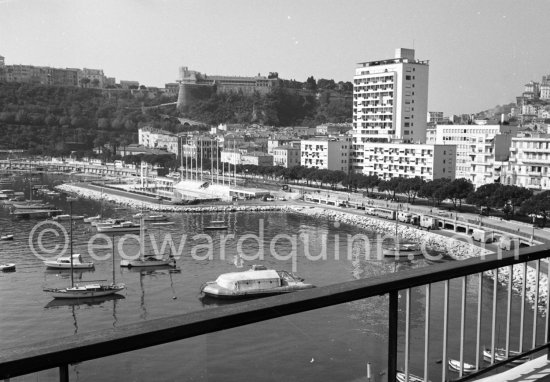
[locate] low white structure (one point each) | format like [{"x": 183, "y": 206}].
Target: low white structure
[{"x": 158, "y": 139}]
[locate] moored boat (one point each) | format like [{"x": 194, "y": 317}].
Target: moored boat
[
  {"x": 9, "y": 267},
  {"x": 64, "y": 262},
  {"x": 85, "y": 290},
  {"x": 6, "y": 237},
  {"x": 67, "y": 217},
  {"x": 500, "y": 355},
  {"x": 92, "y": 219},
  {"x": 216, "y": 225},
  {"x": 406, "y": 251},
  {"x": 401, "y": 377},
  {"x": 125, "y": 226},
  {"x": 256, "y": 282},
  {"x": 467, "y": 368}
]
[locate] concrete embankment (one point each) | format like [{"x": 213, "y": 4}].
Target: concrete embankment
[{"x": 453, "y": 247}]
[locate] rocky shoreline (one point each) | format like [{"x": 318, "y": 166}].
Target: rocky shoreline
[{"x": 457, "y": 249}]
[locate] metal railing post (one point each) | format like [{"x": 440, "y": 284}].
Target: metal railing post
[
  {"x": 392, "y": 336},
  {"x": 427, "y": 332},
  {"x": 64, "y": 373},
  {"x": 445, "y": 330}
]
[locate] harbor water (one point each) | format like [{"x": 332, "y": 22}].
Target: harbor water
[{"x": 334, "y": 343}]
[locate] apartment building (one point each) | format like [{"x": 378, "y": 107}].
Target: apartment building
[
  {"x": 158, "y": 139},
  {"x": 390, "y": 99},
  {"x": 480, "y": 149},
  {"x": 286, "y": 156},
  {"x": 257, "y": 158},
  {"x": 233, "y": 157},
  {"x": 326, "y": 153},
  {"x": 529, "y": 163},
  {"x": 408, "y": 160}
]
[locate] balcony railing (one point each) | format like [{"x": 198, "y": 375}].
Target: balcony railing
[{"x": 61, "y": 352}]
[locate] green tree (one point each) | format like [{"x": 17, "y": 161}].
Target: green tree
[{"x": 538, "y": 206}]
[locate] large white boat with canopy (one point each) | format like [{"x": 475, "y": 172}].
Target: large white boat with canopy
[{"x": 256, "y": 282}]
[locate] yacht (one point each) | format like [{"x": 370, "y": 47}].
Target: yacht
[
  {"x": 123, "y": 226},
  {"x": 255, "y": 282},
  {"x": 67, "y": 217},
  {"x": 64, "y": 262}
]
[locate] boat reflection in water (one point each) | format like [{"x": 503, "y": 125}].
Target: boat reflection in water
[{"x": 57, "y": 303}]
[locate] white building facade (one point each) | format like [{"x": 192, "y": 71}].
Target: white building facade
[
  {"x": 326, "y": 153},
  {"x": 408, "y": 160},
  {"x": 480, "y": 149},
  {"x": 286, "y": 156},
  {"x": 529, "y": 164},
  {"x": 158, "y": 139},
  {"x": 390, "y": 99}
]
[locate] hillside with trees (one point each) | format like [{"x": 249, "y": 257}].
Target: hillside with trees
[{"x": 54, "y": 120}]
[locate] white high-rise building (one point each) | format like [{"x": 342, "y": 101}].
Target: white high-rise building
[{"x": 390, "y": 99}]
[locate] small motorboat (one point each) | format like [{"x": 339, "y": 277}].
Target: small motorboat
[
  {"x": 92, "y": 219},
  {"x": 6, "y": 237},
  {"x": 125, "y": 226},
  {"x": 466, "y": 367},
  {"x": 155, "y": 218},
  {"x": 256, "y": 282},
  {"x": 403, "y": 251},
  {"x": 164, "y": 223},
  {"x": 64, "y": 217},
  {"x": 401, "y": 377},
  {"x": 216, "y": 225},
  {"x": 148, "y": 261},
  {"x": 500, "y": 355},
  {"x": 10, "y": 267},
  {"x": 64, "y": 262}
]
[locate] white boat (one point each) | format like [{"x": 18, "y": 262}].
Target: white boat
[
  {"x": 64, "y": 262},
  {"x": 6, "y": 237},
  {"x": 92, "y": 219},
  {"x": 500, "y": 355},
  {"x": 216, "y": 225},
  {"x": 88, "y": 289},
  {"x": 403, "y": 251},
  {"x": 125, "y": 226},
  {"x": 467, "y": 368},
  {"x": 10, "y": 267},
  {"x": 256, "y": 282},
  {"x": 163, "y": 223},
  {"x": 147, "y": 260},
  {"x": 155, "y": 218},
  {"x": 401, "y": 377},
  {"x": 67, "y": 217},
  {"x": 33, "y": 206}
]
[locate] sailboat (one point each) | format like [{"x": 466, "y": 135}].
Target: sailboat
[
  {"x": 147, "y": 260},
  {"x": 90, "y": 289}
]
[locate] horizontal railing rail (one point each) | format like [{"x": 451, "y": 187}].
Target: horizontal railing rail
[{"x": 60, "y": 352}]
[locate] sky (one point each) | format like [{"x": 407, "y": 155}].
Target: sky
[{"x": 481, "y": 52}]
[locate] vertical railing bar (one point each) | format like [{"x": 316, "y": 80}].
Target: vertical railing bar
[
  {"x": 522, "y": 313},
  {"x": 392, "y": 335},
  {"x": 494, "y": 320},
  {"x": 445, "y": 328},
  {"x": 478, "y": 330},
  {"x": 548, "y": 305},
  {"x": 407, "y": 331},
  {"x": 536, "y": 302},
  {"x": 427, "y": 332},
  {"x": 64, "y": 373},
  {"x": 462, "y": 326},
  {"x": 509, "y": 310}
]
